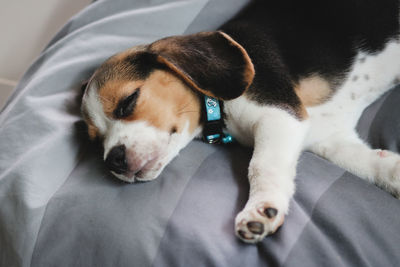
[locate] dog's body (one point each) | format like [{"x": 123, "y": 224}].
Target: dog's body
[{"x": 295, "y": 75}]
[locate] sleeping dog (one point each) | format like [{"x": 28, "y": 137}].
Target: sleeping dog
[{"x": 289, "y": 75}]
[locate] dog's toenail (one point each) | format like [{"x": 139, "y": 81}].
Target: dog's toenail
[
  {"x": 255, "y": 227},
  {"x": 270, "y": 212},
  {"x": 243, "y": 234}
]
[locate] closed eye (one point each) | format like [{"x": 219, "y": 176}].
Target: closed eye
[{"x": 126, "y": 106}]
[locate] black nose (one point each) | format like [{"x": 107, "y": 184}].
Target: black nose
[{"x": 116, "y": 160}]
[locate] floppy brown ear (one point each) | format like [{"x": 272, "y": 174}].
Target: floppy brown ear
[{"x": 211, "y": 62}]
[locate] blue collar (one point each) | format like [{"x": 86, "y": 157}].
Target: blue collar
[{"x": 213, "y": 126}]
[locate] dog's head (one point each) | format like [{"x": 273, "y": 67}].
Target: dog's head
[{"x": 144, "y": 103}]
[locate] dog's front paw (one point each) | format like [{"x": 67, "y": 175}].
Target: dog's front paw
[
  {"x": 258, "y": 220},
  {"x": 395, "y": 181},
  {"x": 388, "y": 171}
]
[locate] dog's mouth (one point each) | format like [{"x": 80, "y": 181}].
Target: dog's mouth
[
  {"x": 148, "y": 172},
  {"x": 135, "y": 163}
]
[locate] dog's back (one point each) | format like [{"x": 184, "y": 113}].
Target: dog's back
[{"x": 292, "y": 40}]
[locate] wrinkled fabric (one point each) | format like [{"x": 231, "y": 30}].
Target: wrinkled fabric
[{"x": 60, "y": 207}]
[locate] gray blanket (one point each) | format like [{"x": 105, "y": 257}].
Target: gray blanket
[{"x": 60, "y": 207}]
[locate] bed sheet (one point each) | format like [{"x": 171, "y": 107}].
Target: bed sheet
[{"x": 60, "y": 207}]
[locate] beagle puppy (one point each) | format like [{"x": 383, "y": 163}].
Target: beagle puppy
[{"x": 291, "y": 75}]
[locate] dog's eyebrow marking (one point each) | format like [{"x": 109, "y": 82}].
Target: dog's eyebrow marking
[{"x": 126, "y": 106}]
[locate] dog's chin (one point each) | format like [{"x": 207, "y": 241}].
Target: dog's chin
[
  {"x": 124, "y": 177},
  {"x": 148, "y": 175},
  {"x": 141, "y": 176}
]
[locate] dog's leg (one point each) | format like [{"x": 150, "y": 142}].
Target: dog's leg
[
  {"x": 381, "y": 167},
  {"x": 277, "y": 145}
]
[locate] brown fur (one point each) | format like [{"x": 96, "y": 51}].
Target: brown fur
[
  {"x": 313, "y": 90},
  {"x": 115, "y": 90},
  {"x": 184, "y": 77},
  {"x": 122, "y": 55},
  {"x": 164, "y": 101},
  {"x": 169, "y": 46},
  {"x": 302, "y": 113},
  {"x": 172, "y": 52},
  {"x": 249, "y": 70},
  {"x": 118, "y": 68},
  {"x": 93, "y": 132}
]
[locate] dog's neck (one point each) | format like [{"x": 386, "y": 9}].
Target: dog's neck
[{"x": 213, "y": 121}]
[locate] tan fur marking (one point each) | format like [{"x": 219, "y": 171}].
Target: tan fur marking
[
  {"x": 114, "y": 91},
  {"x": 313, "y": 90},
  {"x": 302, "y": 112},
  {"x": 164, "y": 101},
  {"x": 184, "y": 76},
  {"x": 93, "y": 132}
]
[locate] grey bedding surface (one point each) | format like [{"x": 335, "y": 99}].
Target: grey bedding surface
[{"x": 60, "y": 207}]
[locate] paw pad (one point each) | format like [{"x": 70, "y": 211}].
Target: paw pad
[
  {"x": 255, "y": 227},
  {"x": 270, "y": 212},
  {"x": 244, "y": 235},
  {"x": 254, "y": 223}
]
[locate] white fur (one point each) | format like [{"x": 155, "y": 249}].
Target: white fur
[
  {"x": 332, "y": 134},
  {"x": 94, "y": 108},
  {"x": 329, "y": 131},
  {"x": 148, "y": 149},
  {"x": 147, "y": 143},
  {"x": 278, "y": 138},
  {"x": 369, "y": 78}
]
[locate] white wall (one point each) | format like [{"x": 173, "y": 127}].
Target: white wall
[{"x": 26, "y": 26}]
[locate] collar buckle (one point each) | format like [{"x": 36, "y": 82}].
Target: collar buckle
[{"x": 213, "y": 127}]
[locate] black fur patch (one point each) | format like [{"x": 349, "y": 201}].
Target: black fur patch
[
  {"x": 291, "y": 39},
  {"x": 137, "y": 66},
  {"x": 141, "y": 65},
  {"x": 83, "y": 86},
  {"x": 126, "y": 106}
]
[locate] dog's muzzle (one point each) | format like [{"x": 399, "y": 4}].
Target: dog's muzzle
[
  {"x": 130, "y": 166},
  {"x": 116, "y": 160}
]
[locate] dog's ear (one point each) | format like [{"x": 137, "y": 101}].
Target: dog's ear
[{"x": 211, "y": 62}]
